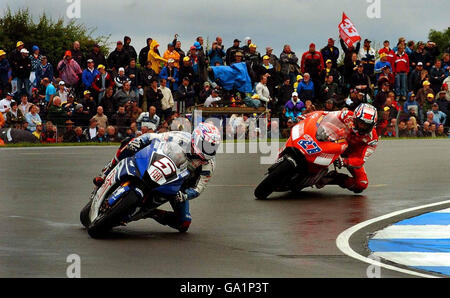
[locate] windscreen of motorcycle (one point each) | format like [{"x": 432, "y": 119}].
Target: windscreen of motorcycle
[
  {"x": 331, "y": 129},
  {"x": 176, "y": 154}
]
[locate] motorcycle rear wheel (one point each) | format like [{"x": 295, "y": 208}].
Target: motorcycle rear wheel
[{"x": 273, "y": 179}]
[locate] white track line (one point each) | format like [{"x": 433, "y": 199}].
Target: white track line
[
  {"x": 414, "y": 232},
  {"x": 416, "y": 259},
  {"x": 342, "y": 241}
]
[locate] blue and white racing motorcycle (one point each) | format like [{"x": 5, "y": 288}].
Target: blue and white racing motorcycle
[{"x": 135, "y": 187}]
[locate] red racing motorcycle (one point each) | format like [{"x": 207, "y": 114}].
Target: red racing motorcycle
[{"x": 314, "y": 144}]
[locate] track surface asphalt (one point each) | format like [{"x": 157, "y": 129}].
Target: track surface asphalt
[{"x": 232, "y": 234}]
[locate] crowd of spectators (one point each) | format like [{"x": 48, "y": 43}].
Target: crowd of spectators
[{"x": 91, "y": 97}]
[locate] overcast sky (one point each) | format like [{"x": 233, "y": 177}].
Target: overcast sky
[{"x": 268, "y": 22}]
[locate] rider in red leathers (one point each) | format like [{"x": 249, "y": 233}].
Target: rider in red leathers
[{"x": 362, "y": 141}]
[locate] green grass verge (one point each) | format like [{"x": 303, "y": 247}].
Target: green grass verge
[
  {"x": 57, "y": 144},
  {"x": 282, "y": 141}
]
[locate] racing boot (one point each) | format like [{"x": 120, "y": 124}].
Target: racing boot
[
  {"x": 121, "y": 153},
  {"x": 169, "y": 218},
  {"x": 98, "y": 181},
  {"x": 332, "y": 178}
]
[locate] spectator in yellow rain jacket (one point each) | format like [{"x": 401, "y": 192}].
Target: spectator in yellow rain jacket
[
  {"x": 172, "y": 54},
  {"x": 154, "y": 57}
]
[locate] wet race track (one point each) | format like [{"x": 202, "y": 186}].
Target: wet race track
[{"x": 232, "y": 234}]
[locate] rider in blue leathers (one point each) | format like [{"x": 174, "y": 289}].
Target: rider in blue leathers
[{"x": 199, "y": 147}]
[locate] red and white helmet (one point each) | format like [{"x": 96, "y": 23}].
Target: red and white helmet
[
  {"x": 365, "y": 118},
  {"x": 205, "y": 140}
]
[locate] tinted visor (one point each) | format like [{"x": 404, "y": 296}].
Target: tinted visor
[
  {"x": 362, "y": 127},
  {"x": 206, "y": 150}
]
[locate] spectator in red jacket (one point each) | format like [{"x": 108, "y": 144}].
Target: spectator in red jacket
[
  {"x": 102, "y": 82},
  {"x": 312, "y": 63},
  {"x": 401, "y": 70},
  {"x": 390, "y": 54}
]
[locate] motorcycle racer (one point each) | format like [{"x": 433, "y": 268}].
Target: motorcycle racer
[
  {"x": 199, "y": 147},
  {"x": 362, "y": 142}
]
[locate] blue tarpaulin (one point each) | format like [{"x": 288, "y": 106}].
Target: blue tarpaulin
[{"x": 233, "y": 77}]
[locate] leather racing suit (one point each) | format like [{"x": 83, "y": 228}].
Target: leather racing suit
[{"x": 200, "y": 174}]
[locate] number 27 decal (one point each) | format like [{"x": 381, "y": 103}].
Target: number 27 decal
[{"x": 309, "y": 145}]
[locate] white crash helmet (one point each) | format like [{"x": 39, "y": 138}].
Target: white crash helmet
[
  {"x": 365, "y": 118},
  {"x": 205, "y": 140}
]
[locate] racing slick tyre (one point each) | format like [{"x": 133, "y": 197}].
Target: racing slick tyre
[
  {"x": 273, "y": 179},
  {"x": 84, "y": 214},
  {"x": 113, "y": 216}
]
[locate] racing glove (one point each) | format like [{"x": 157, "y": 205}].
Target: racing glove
[
  {"x": 134, "y": 145},
  {"x": 340, "y": 162},
  {"x": 189, "y": 194},
  {"x": 180, "y": 197}
]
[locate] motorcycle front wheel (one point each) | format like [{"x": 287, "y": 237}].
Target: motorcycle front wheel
[
  {"x": 113, "y": 216},
  {"x": 274, "y": 179}
]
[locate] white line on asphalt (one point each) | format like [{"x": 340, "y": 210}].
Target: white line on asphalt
[
  {"x": 414, "y": 232},
  {"x": 342, "y": 241},
  {"x": 416, "y": 259},
  {"x": 443, "y": 211}
]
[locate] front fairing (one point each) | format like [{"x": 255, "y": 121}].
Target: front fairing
[{"x": 318, "y": 151}]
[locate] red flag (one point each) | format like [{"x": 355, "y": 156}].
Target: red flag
[{"x": 347, "y": 31}]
